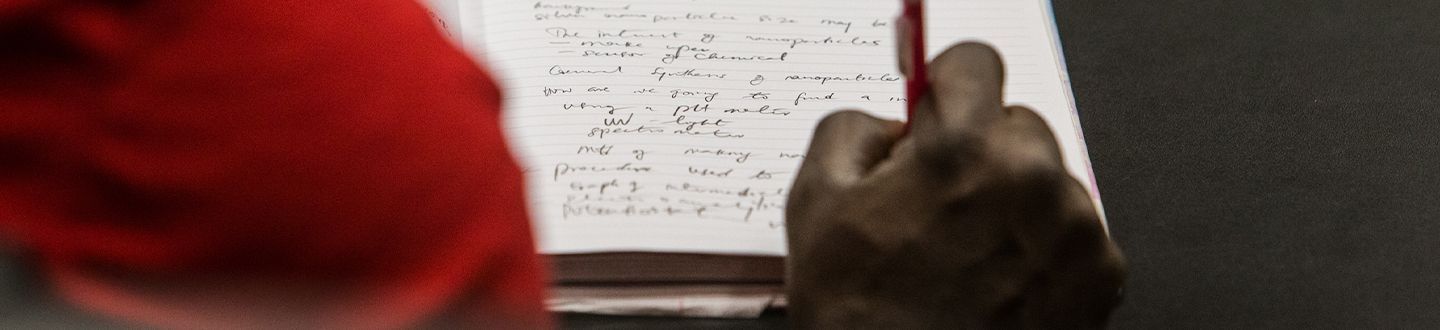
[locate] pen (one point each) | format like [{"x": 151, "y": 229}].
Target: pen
[{"x": 917, "y": 80}]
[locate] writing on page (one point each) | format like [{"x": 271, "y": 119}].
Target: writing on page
[{"x": 677, "y": 126}]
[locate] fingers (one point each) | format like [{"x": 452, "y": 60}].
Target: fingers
[
  {"x": 1081, "y": 271},
  {"x": 967, "y": 85},
  {"x": 1087, "y": 271},
  {"x": 965, "y": 100},
  {"x": 847, "y": 144},
  {"x": 1025, "y": 164},
  {"x": 1026, "y": 142}
]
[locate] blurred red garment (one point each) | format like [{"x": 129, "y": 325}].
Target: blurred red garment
[{"x": 238, "y": 163}]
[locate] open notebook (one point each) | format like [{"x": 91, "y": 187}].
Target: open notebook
[{"x": 676, "y": 126}]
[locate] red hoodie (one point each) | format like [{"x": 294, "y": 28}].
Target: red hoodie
[{"x": 235, "y": 163}]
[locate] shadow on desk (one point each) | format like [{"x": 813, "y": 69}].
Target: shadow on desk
[{"x": 773, "y": 319}]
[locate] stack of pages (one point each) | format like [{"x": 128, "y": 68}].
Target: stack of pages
[{"x": 660, "y": 137}]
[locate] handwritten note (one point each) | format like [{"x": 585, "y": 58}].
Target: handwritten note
[{"x": 678, "y": 125}]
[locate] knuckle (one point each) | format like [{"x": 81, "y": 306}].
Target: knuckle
[
  {"x": 812, "y": 176},
  {"x": 1033, "y": 169},
  {"x": 1077, "y": 211},
  {"x": 965, "y": 55},
  {"x": 1081, "y": 207},
  {"x": 848, "y": 125},
  {"x": 1026, "y": 114},
  {"x": 1029, "y": 128},
  {"x": 829, "y": 136},
  {"x": 848, "y": 119},
  {"x": 1032, "y": 162}
]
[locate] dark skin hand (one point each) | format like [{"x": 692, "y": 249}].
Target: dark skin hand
[{"x": 969, "y": 221}]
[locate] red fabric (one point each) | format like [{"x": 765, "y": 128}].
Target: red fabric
[{"x": 234, "y": 163}]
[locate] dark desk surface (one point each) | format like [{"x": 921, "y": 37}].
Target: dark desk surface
[{"x": 1265, "y": 164}]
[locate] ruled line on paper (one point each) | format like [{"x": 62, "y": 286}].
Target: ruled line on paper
[{"x": 628, "y": 160}]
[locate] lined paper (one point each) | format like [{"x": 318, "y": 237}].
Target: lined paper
[
  {"x": 446, "y": 15},
  {"x": 677, "y": 126}
]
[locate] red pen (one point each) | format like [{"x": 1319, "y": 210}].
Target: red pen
[{"x": 917, "y": 81}]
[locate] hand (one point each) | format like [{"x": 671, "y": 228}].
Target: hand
[{"x": 970, "y": 221}]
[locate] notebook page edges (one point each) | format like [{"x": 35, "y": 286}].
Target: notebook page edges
[
  {"x": 631, "y": 268},
  {"x": 1081, "y": 167}
]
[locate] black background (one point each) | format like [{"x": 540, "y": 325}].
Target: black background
[{"x": 1264, "y": 163}]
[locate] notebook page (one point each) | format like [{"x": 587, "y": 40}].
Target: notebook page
[
  {"x": 678, "y": 125},
  {"x": 446, "y": 15}
]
